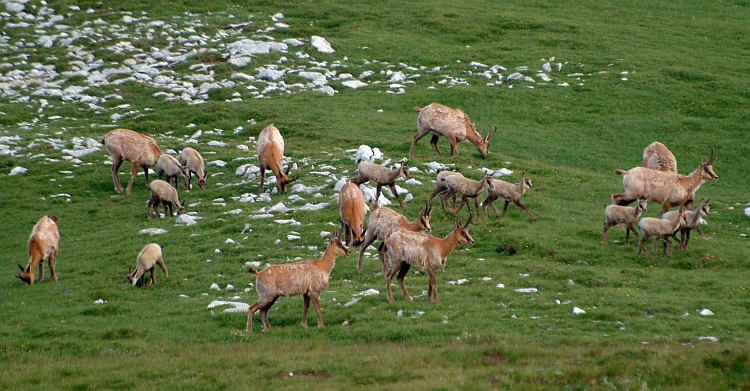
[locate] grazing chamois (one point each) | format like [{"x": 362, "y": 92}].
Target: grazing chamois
[
  {"x": 193, "y": 160},
  {"x": 308, "y": 278},
  {"x": 510, "y": 193},
  {"x": 382, "y": 176},
  {"x": 270, "y": 148},
  {"x": 440, "y": 188},
  {"x": 171, "y": 168},
  {"x": 616, "y": 214},
  {"x": 662, "y": 228},
  {"x": 162, "y": 192},
  {"x": 469, "y": 189},
  {"x": 658, "y": 157},
  {"x": 149, "y": 257},
  {"x": 692, "y": 220},
  {"x": 43, "y": 245},
  {"x": 352, "y": 209},
  {"x": 452, "y": 124},
  {"x": 406, "y": 249},
  {"x": 141, "y": 150},
  {"x": 667, "y": 188},
  {"x": 384, "y": 222}
]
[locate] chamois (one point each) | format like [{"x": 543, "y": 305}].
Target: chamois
[
  {"x": 149, "y": 257},
  {"x": 352, "y": 209},
  {"x": 468, "y": 189},
  {"x": 141, "y": 150},
  {"x": 407, "y": 248},
  {"x": 382, "y": 176},
  {"x": 308, "y": 278},
  {"x": 171, "y": 168},
  {"x": 667, "y": 188},
  {"x": 616, "y": 214},
  {"x": 658, "y": 157},
  {"x": 510, "y": 193},
  {"x": 440, "y": 186},
  {"x": 451, "y": 123},
  {"x": 162, "y": 192},
  {"x": 43, "y": 245},
  {"x": 692, "y": 220},
  {"x": 384, "y": 222},
  {"x": 193, "y": 160},
  {"x": 270, "y": 148},
  {"x": 663, "y": 228}
]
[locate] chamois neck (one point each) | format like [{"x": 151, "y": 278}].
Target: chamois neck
[
  {"x": 521, "y": 186},
  {"x": 692, "y": 217},
  {"x": 449, "y": 243},
  {"x": 328, "y": 261},
  {"x": 695, "y": 180},
  {"x": 413, "y": 226},
  {"x": 394, "y": 174}
]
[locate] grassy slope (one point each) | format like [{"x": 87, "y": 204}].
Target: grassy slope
[{"x": 686, "y": 87}]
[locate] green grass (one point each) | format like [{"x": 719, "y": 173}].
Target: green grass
[{"x": 686, "y": 86}]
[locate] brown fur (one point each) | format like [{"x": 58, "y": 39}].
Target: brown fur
[
  {"x": 667, "y": 188},
  {"x": 171, "y": 168},
  {"x": 616, "y": 214},
  {"x": 692, "y": 220},
  {"x": 384, "y": 222},
  {"x": 352, "y": 209},
  {"x": 661, "y": 228},
  {"x": 440, "y": 188},
  {"x": 468, "y": 189},
  {"x": 382, "y": 176},
  {"x": 406, "y": 249},
  {"x": 450, "y": 123},
  {"x": 270, "y": 148},
  {"x": 149, "y": 257},
  {"x": 141, "y": 150},
  {"x": 162, "y": 192},
  {"x": 308, "y": 278},
  {"x": 510, "y": 193},
  {"x": 43, "y": 245},
  {"x": 658, "y": 157},
  {"x": 193, "y": 160}
]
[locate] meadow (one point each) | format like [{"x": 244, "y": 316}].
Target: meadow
[{"x": 630, "y": 73}]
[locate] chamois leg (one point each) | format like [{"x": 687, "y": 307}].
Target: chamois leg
[
  {"x": 152, "y": 278},
  {"x": 433, "y": 143},
  {"x": 605, "y": 235},
  {"x": 420, "y": 133},
  {"x": 262, "y": 179},
  {"x": 687, "y": 239},
  {"x": 163, "y": 267},
  {"x": 52, "y": 262},
  {"x": 264, "y": 314},
  {"x": 432, "y": 293},
  {"x": 116, "y": 163},
  {"x": 41, "y": 271},
  {"x": 369, "y": 238},
  {"x": 250, "y": 312},
  {"x": 305, "y": 308},
  {"x": 700, "y": 232},
  {"x": 145, "y": 172},
  {"x": 454, "y": 145},
  {"x": 401, "y": 275},
  {"x": 642, "y": 245},
  {"x": 667, "y": 247},
  {"x": 383, "y": 256},
  {"x": 476, "y": 207},
  {"x": 133, "y": 172},
  {"x": 494, "y": 210},
  {"x": 315, "y": 298},
  {"x": 395, "y": 267},
  {"x": 345, "y": 230},
  {"x": 505, "y": 209},
  {"x": 628, "y": 229},
  {"x": 622, "y": 199},
  {"x": 656, "y": 240},
  {"x": 377, "y": 191},
  {"x": 392, "y": 186},
  {"x": 522, "y": 206}
]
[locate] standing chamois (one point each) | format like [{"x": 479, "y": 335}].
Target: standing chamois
[
  {"x": 382, "y": 176},
  {"x": 616, "y": 214},
  {"x": 125, "y": 144},
  {"x": 193, "y": 160},
  {"x": 667, "y": 188},
  {"x": 43, "y": 245},
  {"x": 452, "y": 124},
  {"x": 270, "y": 148},
  {"x": 692, "y": 220},
  {"x": 352, "y": 209},
  {"x": 308, "y": 278},
  {"x": 661, "y": 228},
  {"x": 510, "y": 193},
  {"x": 468, "y": 189}
]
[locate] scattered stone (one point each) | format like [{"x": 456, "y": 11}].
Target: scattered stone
[
  {"x": 321, "y": 44},
  {"x": 578, "y": 311}
]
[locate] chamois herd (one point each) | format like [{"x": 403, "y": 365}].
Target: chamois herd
[{"x": 403, "y": 243}]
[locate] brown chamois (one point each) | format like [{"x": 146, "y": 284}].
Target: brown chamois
[
  {"x": 692, "y": 220},
  {"x": 162, "y": 192},
  {"x": 510, "y": 193},
  {"x": 193, "y": 160},
  {"x": 662, "y": 228},
  {"x": 171, "y": 168},
  {"x": 452, "y": 124},
  {"x": 469, "y": 189},
  {"x": 352, "y": 209},
  {"x": 308, "y": 278},
  {"x": 440, "y": 186},
  {"x": 147, "y": 260},
  {"x": 43, "y": 245},
  {"x": 382, "y": 176},
  {"x": 616, "y": 214},
  {"x": 667, "y": 188},
  {"x": 658, "y": 157},
  {"x": 383, "y": 223},
  {"x": 270, "y": 148},
  {"x": 407, "y": 248},
  {"x": 141, "y": 150}
]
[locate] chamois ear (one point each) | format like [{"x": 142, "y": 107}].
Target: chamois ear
[
  {"x": 288, "y": 168},
  {"x": 130, "y": 270},
  {"x": 707, "y": 201},
  {"x": 21, "y": 267},
  {"x": 54, "y": 218}
]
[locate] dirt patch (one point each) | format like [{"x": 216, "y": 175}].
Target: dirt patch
[
  {"x": 510, "y": 250},
  {"x": 305, "y": 374},
  {"x": 495, "y": 358}
]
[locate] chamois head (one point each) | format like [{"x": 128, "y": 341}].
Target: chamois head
[
  {"x": 338, "y": 247},
  {"x": 27, "y": 276},
  {"x": 488, "y": 180},
  {"x": 525, "y": 181},
  {"x": 180, "y": 208},
  {"x": 484, "y": 146},
  {"x": 704, "y": 209},
  {"x": 404, "y": 169},
  {"x": 131, "y": 276},
  {"x": 463, "y": 231},
  {"x": 707, "y": 168},
  {"x": 642, "y": 205},
  {"x": 425, "y": 217},
  {"x": 202, "y": 181},
  {"x": 284, "y": 180}
]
